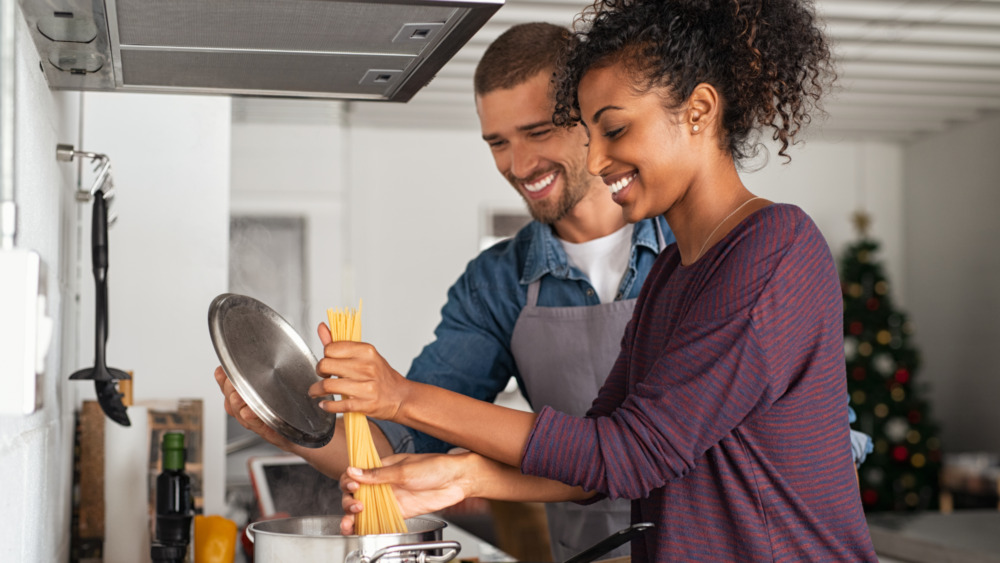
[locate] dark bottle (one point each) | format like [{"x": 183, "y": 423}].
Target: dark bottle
[{"x": 174, "y": 507}]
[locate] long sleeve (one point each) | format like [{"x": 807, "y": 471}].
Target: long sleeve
[
  {"x": 723, "y": 418},
  {"x": 703, "y": 384}
]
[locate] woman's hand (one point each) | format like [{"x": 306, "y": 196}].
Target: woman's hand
[
  {"x": 237, "y": 408},
  {"x": 422, "y": 483},
  {"x": 356, "y": 371}
]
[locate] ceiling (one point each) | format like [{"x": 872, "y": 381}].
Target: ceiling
[{"x": 907, "y": 68}]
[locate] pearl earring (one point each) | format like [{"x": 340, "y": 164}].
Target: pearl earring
[{"x": 695, "y": 128}]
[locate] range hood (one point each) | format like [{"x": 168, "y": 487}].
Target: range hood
[{"x": 341, "y": 49}]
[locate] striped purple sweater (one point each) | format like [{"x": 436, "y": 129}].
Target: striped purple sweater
[{"x": 723, "y": 417}]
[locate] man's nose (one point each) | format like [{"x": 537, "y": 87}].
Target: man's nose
[{"x": 523, "y": 161}]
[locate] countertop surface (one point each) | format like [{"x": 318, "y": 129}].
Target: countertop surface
[{"x": 963, "y": 536}]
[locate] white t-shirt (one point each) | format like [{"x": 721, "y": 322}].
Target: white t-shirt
[{"x": 603, "y": 260}]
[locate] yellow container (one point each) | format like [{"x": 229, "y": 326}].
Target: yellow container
[{"x": 214, "y": 539}]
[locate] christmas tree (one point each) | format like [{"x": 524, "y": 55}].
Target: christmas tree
[{"x": 902, "y": 471}]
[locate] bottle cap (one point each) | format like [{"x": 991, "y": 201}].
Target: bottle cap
[{"x": 173, "y": 451}]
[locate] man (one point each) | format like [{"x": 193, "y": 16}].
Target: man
[{"x": 547, "y": 307}]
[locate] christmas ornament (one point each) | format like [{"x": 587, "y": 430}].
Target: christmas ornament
[
  {"x": 883, "y": 337},
  {"x": 850, "y": 348},
  {"x": 902, "y": 376},
  {"x": 874, "y": 475},
  {"x": 884, "y": 364},
  {"x": 896, "y": 428}
]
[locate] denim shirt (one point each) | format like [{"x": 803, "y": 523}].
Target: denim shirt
[{"x": 471, "y": 352}]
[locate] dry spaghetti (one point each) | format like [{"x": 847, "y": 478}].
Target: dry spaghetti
[{"x": 381, "y": 514}]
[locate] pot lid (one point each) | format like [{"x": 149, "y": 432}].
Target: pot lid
[{"x": 270, "y": 366}]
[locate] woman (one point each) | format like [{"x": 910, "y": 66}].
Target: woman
[{"x": 739, "y": 321}]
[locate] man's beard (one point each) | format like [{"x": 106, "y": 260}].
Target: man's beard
[{"x": 549, "y": 211}]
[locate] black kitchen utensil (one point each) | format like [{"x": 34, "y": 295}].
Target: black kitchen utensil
[
  {"x": 607, "y": 544},
  {"x": 105, "y": 378}
]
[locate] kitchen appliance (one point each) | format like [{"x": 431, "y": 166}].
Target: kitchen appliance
[
  {"x": 285, "y": 485},
  {"x": 318, "y": 538},
  {"x": 270, "y": 366},
  {"x": 382, "y": 50}
]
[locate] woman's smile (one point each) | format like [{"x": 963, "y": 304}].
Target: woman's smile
[{"x": 620, "y": 184}]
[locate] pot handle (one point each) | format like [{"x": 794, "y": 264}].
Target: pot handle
[{"x": 452, "y": 547}]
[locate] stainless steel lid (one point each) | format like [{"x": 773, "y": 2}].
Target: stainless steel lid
[{"x": 270, "y": 366}]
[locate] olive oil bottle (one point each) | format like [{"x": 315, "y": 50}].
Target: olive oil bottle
[{"x": 174, "y": 505}]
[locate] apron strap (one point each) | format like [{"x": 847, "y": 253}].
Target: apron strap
[
  {"x": 659, "y": 234},
  {"x": 533, "y": 289}
]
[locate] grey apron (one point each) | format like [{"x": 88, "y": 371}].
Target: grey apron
[{"x": 564, "y": 355}]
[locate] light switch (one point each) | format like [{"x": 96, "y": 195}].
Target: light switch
[{"x": 25, "y": 331}]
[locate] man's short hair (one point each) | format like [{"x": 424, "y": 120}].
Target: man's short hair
[{"x": 520, "y": 53}]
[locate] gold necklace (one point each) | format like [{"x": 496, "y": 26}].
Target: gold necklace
[{"x": 742, "y": 205}]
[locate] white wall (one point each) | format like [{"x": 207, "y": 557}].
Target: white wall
[
  {"x": 285, "y": 167},
  {"x": 168, "y": 250},
  {"x": 953, "y": 268},
  {"x": 36, "y": 450},
  {"x": 168, "y": 259}
]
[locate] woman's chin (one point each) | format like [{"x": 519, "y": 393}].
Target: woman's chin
[{"x": 630, "y": 213}]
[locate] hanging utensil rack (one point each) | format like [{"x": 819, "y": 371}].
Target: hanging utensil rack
[
  {"x": 103, "y": 180},
  {"x": 105, "y": 378}
]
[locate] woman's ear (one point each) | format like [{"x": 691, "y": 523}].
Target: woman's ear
[{"x": 702, "y": 108}]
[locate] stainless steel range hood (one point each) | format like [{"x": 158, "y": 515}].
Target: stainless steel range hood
[{"x": 341, "y": 49}]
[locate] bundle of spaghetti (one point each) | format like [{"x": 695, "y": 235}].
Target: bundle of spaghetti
[{"x": 381, "y": 514}]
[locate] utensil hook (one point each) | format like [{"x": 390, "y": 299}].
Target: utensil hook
[{"x": 103, "y": 181}]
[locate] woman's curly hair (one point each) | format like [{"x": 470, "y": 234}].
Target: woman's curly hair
[{"x": 768, "y": 60}]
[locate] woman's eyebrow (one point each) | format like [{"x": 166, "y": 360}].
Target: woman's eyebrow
[{"x": 598, "y": 113}]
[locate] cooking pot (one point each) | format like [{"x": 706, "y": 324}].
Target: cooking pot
[
  {"x": 317, "y": 538},
  {"x": 309, "y": 539}
]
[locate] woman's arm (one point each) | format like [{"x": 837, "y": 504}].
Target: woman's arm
[
  {"x": 425, "y": 483},
  {"x": 369, "y": 385}
]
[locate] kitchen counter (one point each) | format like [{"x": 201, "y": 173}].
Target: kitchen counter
[{"x": 964, "y": 536}]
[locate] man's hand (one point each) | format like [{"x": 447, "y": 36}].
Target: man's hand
[
  {"x": 237, "y": 408},
  {"x": 365, "y": 382}
]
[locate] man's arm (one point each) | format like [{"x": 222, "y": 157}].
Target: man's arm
[
  {"x": 331, "y": 459},
  {"x": 367, "y": 384},
  {"x": 470, "y": 354}
]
